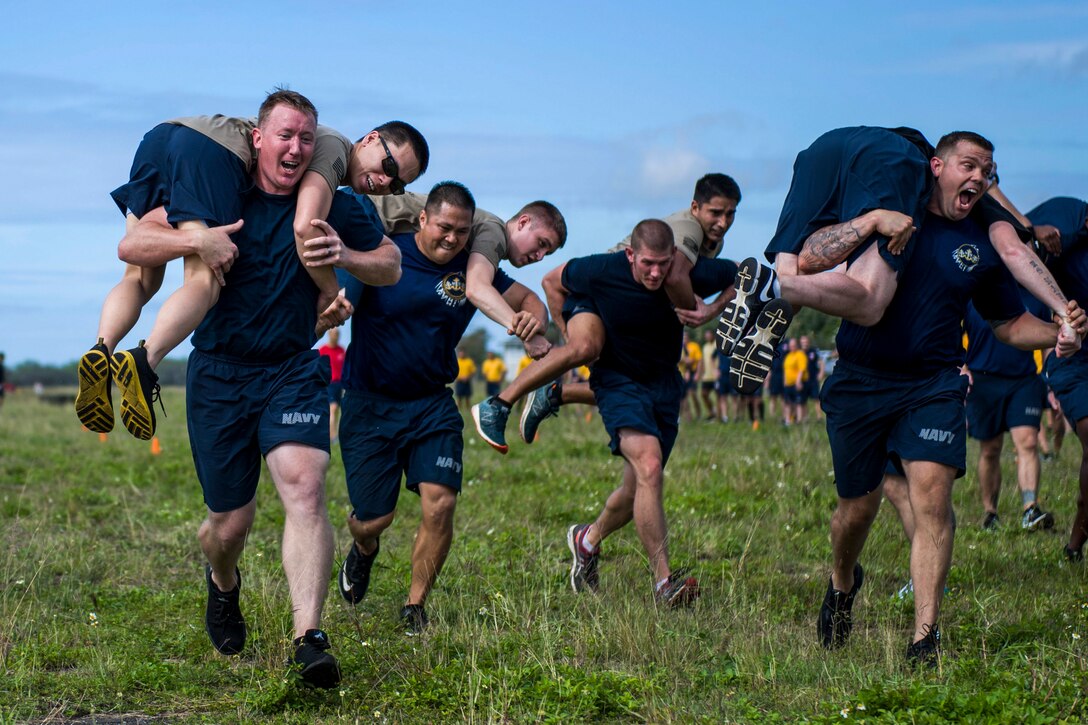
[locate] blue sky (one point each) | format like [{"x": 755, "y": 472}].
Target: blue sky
[{"x": 611, "y": 110}]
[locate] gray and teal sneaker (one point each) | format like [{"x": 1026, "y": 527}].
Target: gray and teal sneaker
[
  {"x": 490, "y": 417},
  {"x": 540, "y": 404}
]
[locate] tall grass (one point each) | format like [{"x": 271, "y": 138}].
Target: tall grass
[{"x": 102, "y": 597}]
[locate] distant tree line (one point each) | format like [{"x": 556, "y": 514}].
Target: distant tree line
[{"x": 171, "y": 372}]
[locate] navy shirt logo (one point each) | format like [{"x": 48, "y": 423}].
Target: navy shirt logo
[
  {"x": 966, "y": 257},
  {"x": 452, "y": 289}
]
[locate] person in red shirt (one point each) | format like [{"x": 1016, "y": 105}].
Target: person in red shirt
[{"x": 335, "y": 354}]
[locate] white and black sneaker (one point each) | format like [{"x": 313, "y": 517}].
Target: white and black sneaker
[
  {"x": 754, "y": 287},
  {"x": 751, "y": 361},
  {"x": 354, "y": 577}
]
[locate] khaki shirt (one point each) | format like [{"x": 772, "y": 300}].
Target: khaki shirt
[
  {"x": 400, "y": 215},
  {"x": 688, "y": 235},
  {"x": 331, "y": 148}
]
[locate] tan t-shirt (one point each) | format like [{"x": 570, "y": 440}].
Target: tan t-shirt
[
  {"x": 331, "y": 148},
  {"x": 400, "y": 215},
  {"x": 688, "y": 235}
]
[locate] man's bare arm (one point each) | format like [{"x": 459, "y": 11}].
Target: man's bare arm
[{"x": 556, "y": 295}]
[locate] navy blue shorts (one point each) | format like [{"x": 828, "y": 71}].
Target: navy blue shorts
[
  {"x": 192, "y": 176},
  {"x": 1068, "y": 378},
  {"x": 238, "y": 412},
  {"x": 462, "y": 388},
  {"x": 872, "y": 417},
  {"x": 794, "y": 396},
  {"x": 652, "y": 408},
  {"x": 577, "y": 304},
  {"x": 335, "y": 391},
  {"x": 842, "y": 175},
  {"x": 493, "y": 388},
  {"x": 382, "y": 439},
  {"x": 996, "y": 404}
]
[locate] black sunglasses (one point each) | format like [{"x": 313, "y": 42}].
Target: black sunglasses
[{"x": 390, "y": 168}]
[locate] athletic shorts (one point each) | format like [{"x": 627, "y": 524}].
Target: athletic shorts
[
  {"x": 873, "y": 416},
  {"x": 707, "y": 386},
  {"x": 996, "y": 404},
  {"x": 192, "y": 176},
  {"x": 776, "y": 382},
  {"x": 335, "y": 392},
  {"x": 492, "y": 388},
  {"x": 576, "y": 304},
  {"x": 382, "y": 439},
  {"x": 794, "y": 396},
  {"x": 652, "y": 408},
  {"x": 1068, "y": 378},
  {"x": 842, "y": 175},
  {"x": 238, "y": 412},
  {"x": 462, "y": 388}
]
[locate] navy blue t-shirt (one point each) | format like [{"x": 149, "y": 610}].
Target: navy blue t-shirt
[
  {"x": 268, "y": 309},
  {"x": 920, "y": 333},
  {"x": 642, "y": 333},
  {"x": 987, "y": 354},
  {"x": 404, "y": 337},
  {"x": 1070, "y": 269}
]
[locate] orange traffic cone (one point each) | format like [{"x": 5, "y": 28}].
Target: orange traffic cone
[
  {"x": 156, "y": 447},
  {"x": 103, "y": 437}
]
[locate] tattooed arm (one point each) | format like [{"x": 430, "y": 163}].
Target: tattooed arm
[
  {"x": 831, "y": 246},
  {"x": 1033, "y": 274}
]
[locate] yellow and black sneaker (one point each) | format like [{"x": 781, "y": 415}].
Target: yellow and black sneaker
[
  {"x": 139, "y": 388},
  {"x": 94, "y": 405}
]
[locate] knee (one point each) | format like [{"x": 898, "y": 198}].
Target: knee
[
  {"x": 224, "y": 533},
  {"x": 438, "y": 511},
  {"x": 370, "y": 528},
  {"x": 584, "y": 350}
]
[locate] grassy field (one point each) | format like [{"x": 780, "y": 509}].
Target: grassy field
[{"x": 102, "y": 594}]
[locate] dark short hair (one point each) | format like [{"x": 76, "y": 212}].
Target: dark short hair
[
  {"x": 450, "y": 192},
  {"x": 401, "y": 133},
  {"x": 713, "y": 185},
  {"x": 548, "y": 214},
  {"x": 653, "y": 235},
  {"x": 949, "y": 141},
  {"x": 282, "y": 96}
]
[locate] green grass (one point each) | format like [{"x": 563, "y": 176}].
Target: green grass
[{"x": 102, "y": 596}]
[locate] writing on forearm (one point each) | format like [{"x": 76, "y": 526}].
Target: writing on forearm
[
  {"x": 1048, "y": 280},
  {"x": 829, "y": 247}
]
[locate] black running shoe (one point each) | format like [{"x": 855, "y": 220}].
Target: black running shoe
[
  {"x": 354, "y": 576},
  {"x": 751, "y": 361},
  {"x": 583, "y": 569},
  {"x": 413, "y": 617},
  {"x": 317, "y": 667},
  {"x": 139, "y": 388},
  {"x": 1073, "y": 555},
  {"x": 1034, "y": 518},
  {"x": 836, "y": 612},
  {"x": 926, "y": 652},
  {"x": 94, "y": 403},
  {"x": 991, "y": 522},
  {"x": 223, "y": 619},
  {"x": 540, "y": 404},
  {"x": 754, "y": 287},
  {"x": 679, "y": 591}
]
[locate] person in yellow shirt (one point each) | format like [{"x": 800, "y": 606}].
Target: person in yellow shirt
[
  {"x": 462, "y": 387},
  {"x": 523, "y": 363},
  {"x": 795, "y": 377},
  {"x": 494, "y": 371},
  {"x": 690, "y": 365}
]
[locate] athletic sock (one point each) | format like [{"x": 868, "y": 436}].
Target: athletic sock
[
  {"x": 1027, "y": 498},
  {"x": 586, "y": 548},
  {"x": 501, "y": 402}
]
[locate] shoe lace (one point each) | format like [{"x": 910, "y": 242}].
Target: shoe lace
[
  {"x": 930, "y": 633},
  {"x": 156, "y": 397}
]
